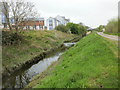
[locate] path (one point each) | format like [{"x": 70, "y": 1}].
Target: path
[{"x": 112, "y": 37}]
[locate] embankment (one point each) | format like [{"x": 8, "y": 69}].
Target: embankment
[
  {"x": 29, "y": 47},
  {"x": 91, "y": 63}
]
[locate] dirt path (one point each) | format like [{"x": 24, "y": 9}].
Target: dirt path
[{"x": 112, "y": 37}]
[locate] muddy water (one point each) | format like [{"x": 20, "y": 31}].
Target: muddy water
[{"x": 21, "y": 78}]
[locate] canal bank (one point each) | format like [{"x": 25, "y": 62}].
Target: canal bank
[
  {"x": 14, "y": 70},
  {"x": 9, "y": 71},
  {"x": 21, "y": 77},
  {"x": 91, "y": 63},
  {"x": 20, "y": 48}
]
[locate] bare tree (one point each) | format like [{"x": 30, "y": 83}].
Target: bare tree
[
  {"x": 20, "y": 11},
  {"x": 5, "y": 11}
]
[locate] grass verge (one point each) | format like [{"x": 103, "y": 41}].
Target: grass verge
[
  {"x": 117, "y": 34},
  {"x": 91, "y": 63}
]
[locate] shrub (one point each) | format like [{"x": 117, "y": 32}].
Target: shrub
[
  {"x": 112, "y": 26},
  {"x": 100, "y": 28},
  {"x": 11, "y": 38},
  {"x": 73, "y": 28},
  {"x": 62, "y": 28},
  {"x": 77, "y": 28}
]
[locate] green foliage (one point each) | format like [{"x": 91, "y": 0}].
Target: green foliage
[
  {"x": 62, "y": 28},
  {"x": 91, "y": 63},
  {"x": 112, "y": 26},
  {"x": 82, "y": 29},
  {"x": 117, "y": 34},
  {"x": 73, "y": 28},
  {"x": 100, "y": 28},
  {"x": 76, "y": 28},
  {"x": 12, "y": 38}
]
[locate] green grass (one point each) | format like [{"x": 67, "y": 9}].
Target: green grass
[
  {"x": 112, "y": 26},
  {"x": 91, "y": 63},
  {"x": 31, "y": 45},
  {"x": 117, "y": 34}
]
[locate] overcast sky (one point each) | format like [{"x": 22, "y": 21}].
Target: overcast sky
[{"x": 90, "y": 12}]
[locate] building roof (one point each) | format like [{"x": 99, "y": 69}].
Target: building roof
[
  {"x": 35, "y": 19},
  {"x": 59, "y": 18},
  {"x": 62, "y": 17}
]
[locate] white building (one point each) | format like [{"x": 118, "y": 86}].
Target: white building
[
  {"x": 51, "y": 23},
  {"x": 62, "y": 20}
]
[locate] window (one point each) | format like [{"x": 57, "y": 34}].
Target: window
[
  {"x": 50, "y": 28},
  {"x": 50, "y": 20},
  {"x": 40, "y": 26},
  {"x": 35, "y": 26},
  {"x": 28, "y": 27},
  {"x": 50, "y": 24}
]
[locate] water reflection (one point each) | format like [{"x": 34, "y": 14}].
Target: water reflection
[{"x": 21, "y": 78}]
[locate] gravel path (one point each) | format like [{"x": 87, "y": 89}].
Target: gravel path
[{"x": 112, "y": 37}]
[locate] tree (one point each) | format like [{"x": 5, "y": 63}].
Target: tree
[
  {"x": 73, "y": 28},
  {"x": 79, "y": 29},
  {"x": 20, "y": 11},
  {"x": 100, "y": 28},
  {"x": 82, "y": 30},
  {"x": 62, "y": 28},
  {"x": 112, "y": 26},
  {"x": 5, "y": 11}
]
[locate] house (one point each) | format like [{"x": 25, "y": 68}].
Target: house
[
  {"x": 58, "y": 20},
  {"x": 62, "y": 20},
  {"x": 51, "y": 23},
  {"x": 31, "y": 23}
]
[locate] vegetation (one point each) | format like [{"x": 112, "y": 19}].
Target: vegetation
[
  {"x": 62, "y": 28},
  {"x": 17, "y": 12},
  {"x": 91, "y": 63},
  {"x": 79, "y": 29},
  {"x": 10, "y": 38},
  {"x": 100, "y": 28},
  {"x": 112, "y": 27},
  {"x": 76, "y": 28},
  {"x": 19, "y": 47},
  {"x": 117, "y": 34}
]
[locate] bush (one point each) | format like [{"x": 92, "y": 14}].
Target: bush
[
  {"x": 112, "y": 26},
  {"x": 77, "y": 28},
  {"x": 82, "y": 30},
  {"x": 11, "y": 38},
  {"x": 62, "y": 28},
  {"x": 73, "y": 28},
  {"x": 100, "y": 28}
]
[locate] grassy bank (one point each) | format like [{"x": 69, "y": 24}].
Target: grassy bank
[
  {"x": 21, "y": 47},
  {"x": 117, "y": 34},
  {"x": 91, "y": 63}
]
